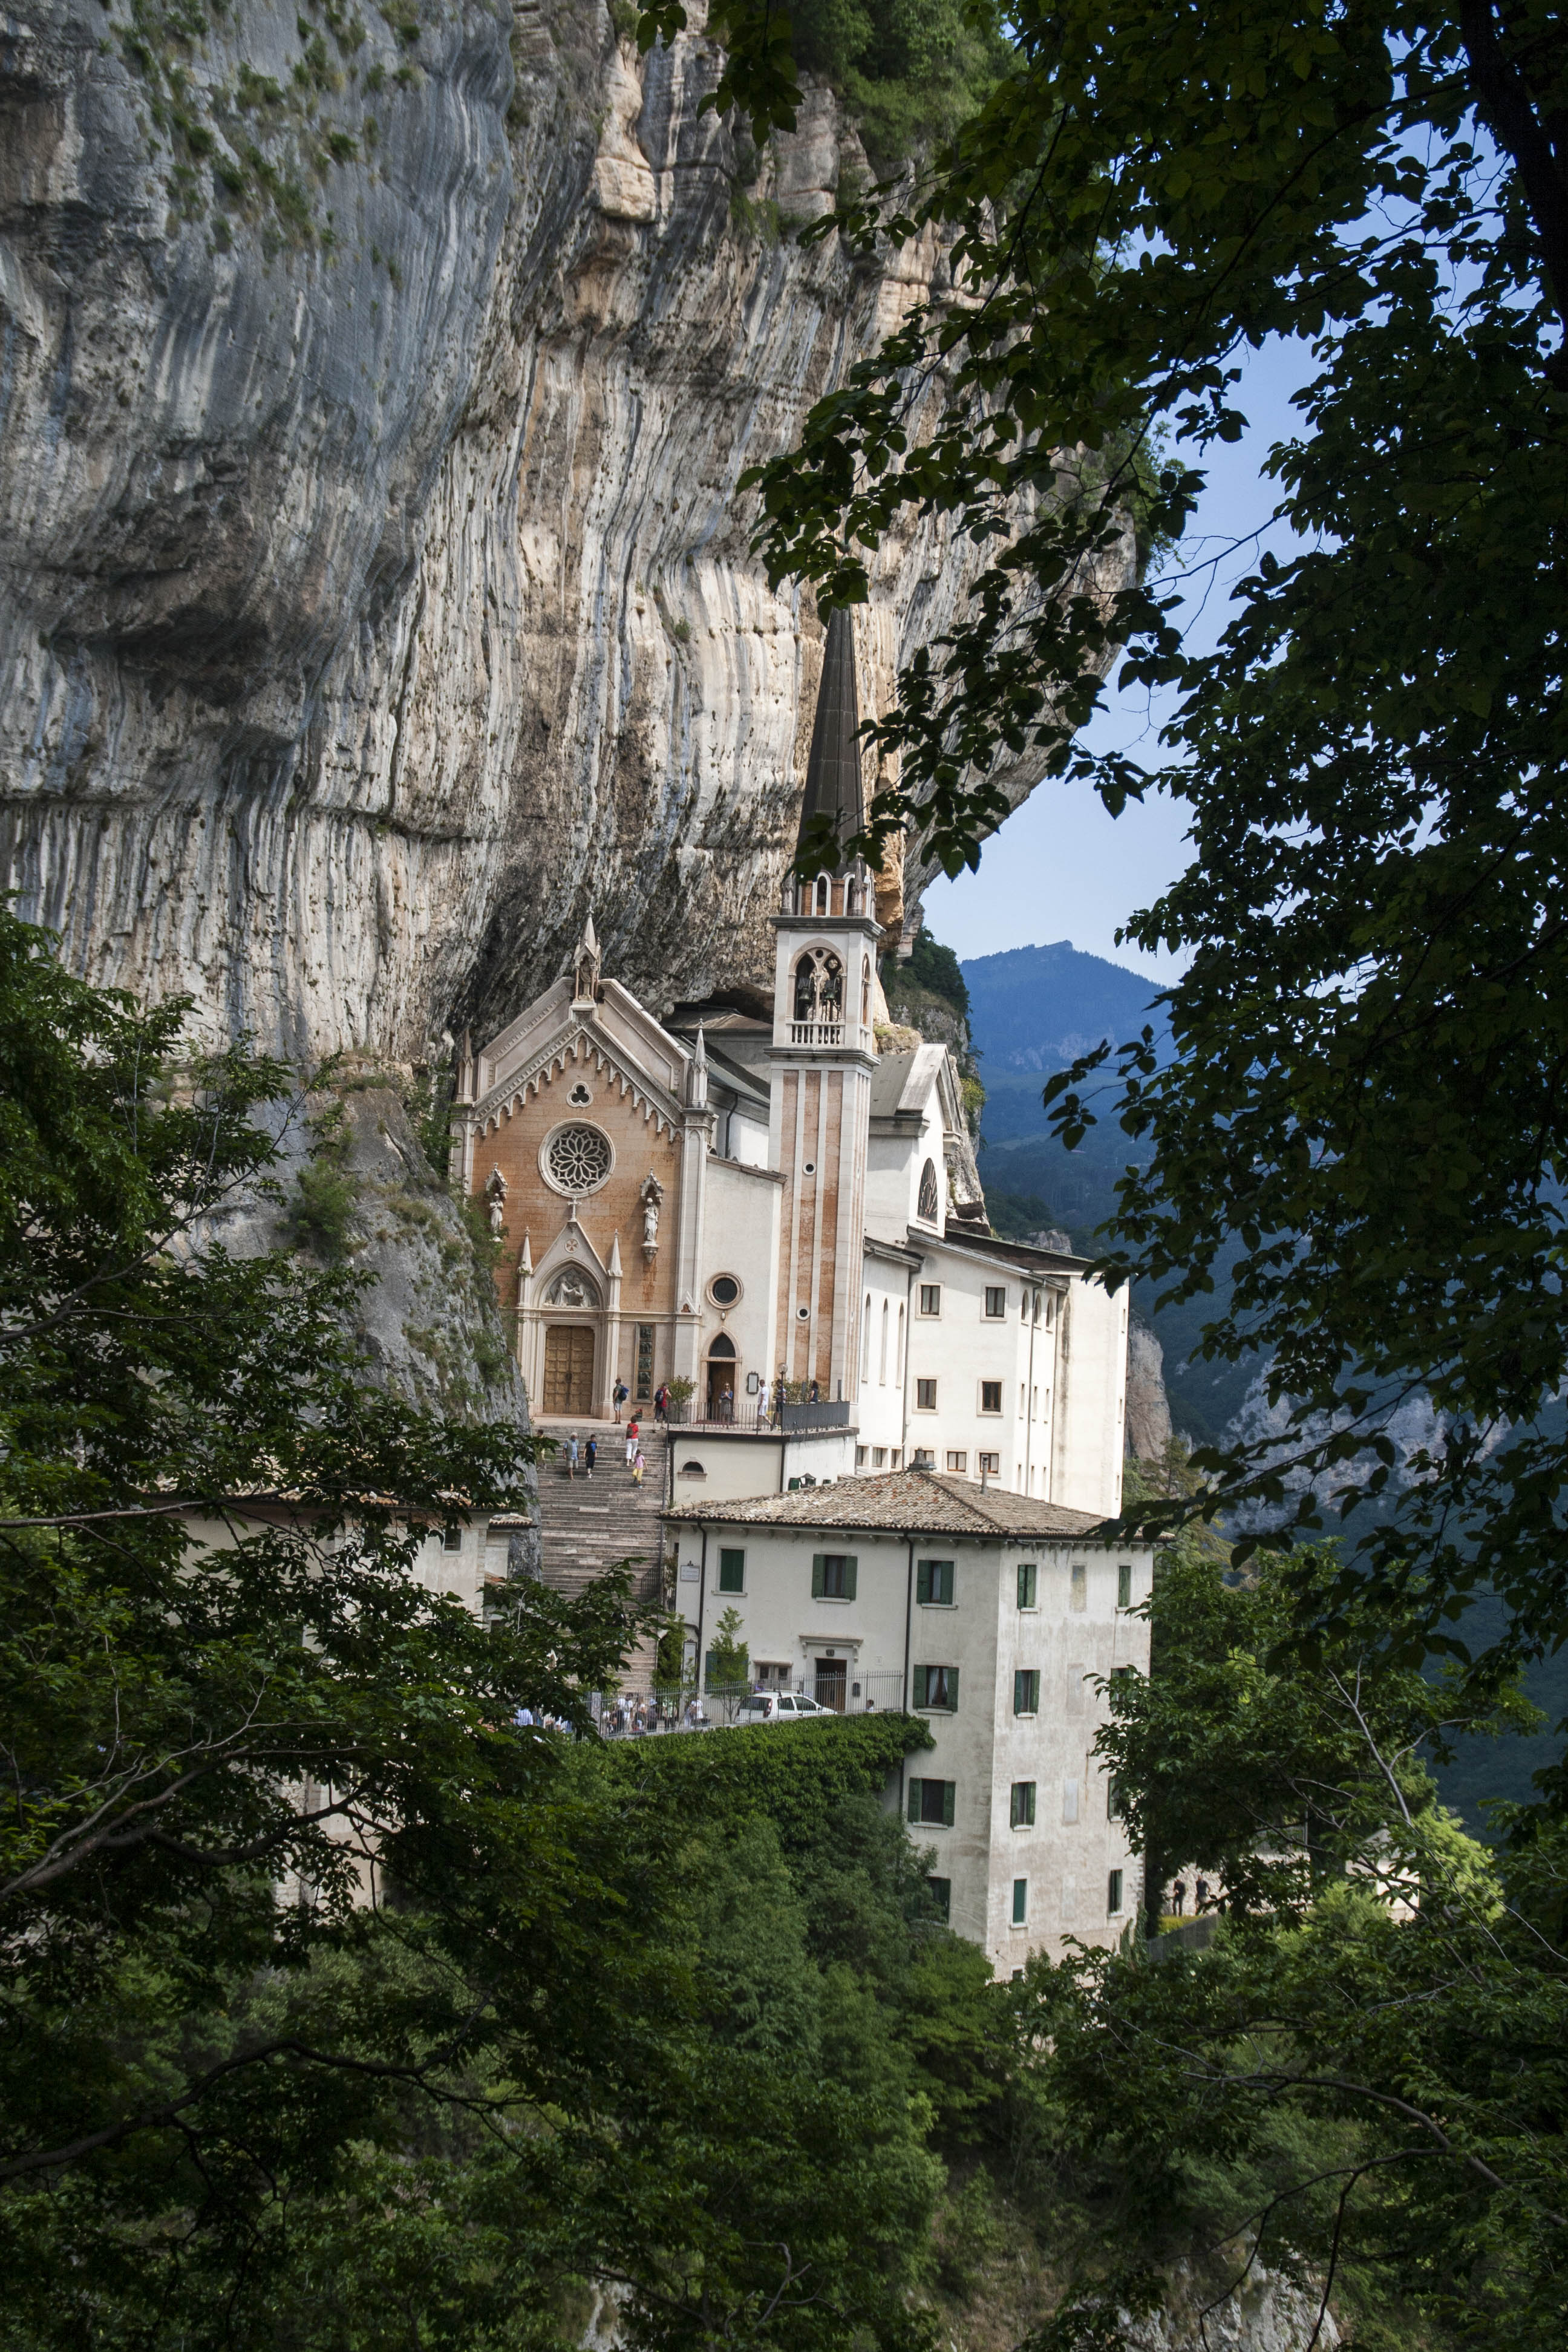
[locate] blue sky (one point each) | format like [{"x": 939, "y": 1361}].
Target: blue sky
[{"x": 1060, "y": 868}]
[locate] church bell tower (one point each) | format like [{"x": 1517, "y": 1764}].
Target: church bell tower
[{"x": 824, "y": 1051}]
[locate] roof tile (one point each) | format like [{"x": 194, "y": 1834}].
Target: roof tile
[{"x": 906, "y": 1502}]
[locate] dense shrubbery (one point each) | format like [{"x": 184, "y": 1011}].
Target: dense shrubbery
[{"x": 911, "y": 70}]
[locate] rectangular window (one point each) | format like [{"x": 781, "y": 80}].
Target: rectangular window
[
  {"x": 931, "y": 1803},
  {"x": 957, "y": 1461},
  {"x": 1029, "y": 1582},
  {"x": 833, "y": 1575},
  {"x": 879, "y": 1457},
  {"x": 991, "y": 1465},
  {"x": 1112, "y": 1801},
  {"x": 1079, "y": 1587},
  {"x": 1027, "y": 1691},
  {"x": 1125, "y": 1585},
  {"x": 941, "y": 1896},
  {"x": 930, "y": 1298},
  {"x": 1020, "y": 1901},
  {"x": 1069, "y": 1800},
  {"x": 452, "y": 1539},
  {"x": 859, "y": 1457},
  {"x": 893, "y": 1455},
  {"x": 1113, "y": 1892},
  {"x": 1022, "y": 1804},
  {"x": 925, "y": 1396},
  {"x": 644, "y": 1362},
  {"x": 937, "y": 1686},
  {"x": 731, "y": 1571},
  {"x": 989, "y": 1396},
  {"x": 933, "y": 1582},
  {"x": 996, "y": 1304}
]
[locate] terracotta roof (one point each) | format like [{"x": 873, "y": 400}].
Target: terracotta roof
[{"x": 905, "y": 1502}]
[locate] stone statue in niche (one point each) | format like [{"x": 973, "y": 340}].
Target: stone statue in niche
[
  {"x": 651, "y": 1196},
  {"x": 495, "y": 1202}
]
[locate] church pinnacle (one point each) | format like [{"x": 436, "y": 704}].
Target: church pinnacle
[{"x": 833, "y": 785}]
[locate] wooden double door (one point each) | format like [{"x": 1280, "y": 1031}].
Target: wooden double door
[{"x": 569, "y": 1369}]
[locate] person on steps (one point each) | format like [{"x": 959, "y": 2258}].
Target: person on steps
[
  {"x": 634, "y": 1430},
  {"x": 591, "y": 1455},
  {"x": 621, "y": 1392},
  {"x": 571, "y": 1455},
  {"x": 638, "y": 1467}
]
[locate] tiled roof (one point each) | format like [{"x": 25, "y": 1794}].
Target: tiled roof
[{"x": 905, "y": 1502}]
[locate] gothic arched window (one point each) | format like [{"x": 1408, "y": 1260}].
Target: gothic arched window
[
  {"x": 928, "y": 1194},
  {"x": 720, "y": 1344},
  {"x": 866, "y": 991},
  {"x": 819, "y": 986},
  {"x": 824, "y": 895}
]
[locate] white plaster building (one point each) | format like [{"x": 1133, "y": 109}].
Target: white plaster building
[{"x": 988, "y": 1614}]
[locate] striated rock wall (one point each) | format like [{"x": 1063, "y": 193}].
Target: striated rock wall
[{"x": 375, "y": 597}]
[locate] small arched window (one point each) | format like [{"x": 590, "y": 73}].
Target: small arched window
[
  {"x": 721, "y": 1345},
  {"x": 882, "y": 1375},
  {"x": 866, "y": 1342},
  {"x": 824, "y": 895},
  {"x": 865, "y": 991},
  {"x": 819, "y": 986},
  {"x": 928, "y": 1202}
]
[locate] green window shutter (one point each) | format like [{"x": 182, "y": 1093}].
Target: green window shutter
[
  {"x": 819, "y": 1574},
  {"x": 923, "y": 1580},
  {"x": 1017, "y": 1690},
  {"x": 944, "y": 1583},
  {"x": 731, "y": 1571},
  {"x": 952, "y": 1690},
  {"x": 850, "y": 1565},
  {"x": 922, "y": 1684},
  {"x": 915, "y": 1801},
  {"x": 947, "y": 1791},
  {"x": 1026, "y": 1573},
  {"x": 1124, "y": 1586}
]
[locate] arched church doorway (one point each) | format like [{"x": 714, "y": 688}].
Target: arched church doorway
[
  {"x": 569, "y": 1347},
  {"x": 722, "y": 1369},
  {"x": 568, "y": 1368}
]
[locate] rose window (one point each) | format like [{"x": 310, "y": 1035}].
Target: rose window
[{"x": 578, "y": 1158}]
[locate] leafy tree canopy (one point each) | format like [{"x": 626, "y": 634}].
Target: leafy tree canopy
[
  {"x": 1369, "y": 1039},
  {"x": 339, "y": 2010}
]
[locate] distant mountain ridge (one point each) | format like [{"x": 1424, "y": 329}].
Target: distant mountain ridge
[{"x": 1037, "y": 1009}]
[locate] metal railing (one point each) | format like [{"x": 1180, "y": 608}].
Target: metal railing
[{"x": 756, "y": 1413}]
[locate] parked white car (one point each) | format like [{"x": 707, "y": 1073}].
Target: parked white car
[{"x": 780, "y": 1706}]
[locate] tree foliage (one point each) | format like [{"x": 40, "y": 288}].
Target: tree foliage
[
  {"x": 1366, "y": 1085},
  {"x": 339, "y": 2010}
]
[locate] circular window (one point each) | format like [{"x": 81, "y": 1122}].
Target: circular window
[
  {"x": 803, "y": 1313},
  {"x": 811, "y": 1168},
  {"x": 576, "y": 1159},
  {"x": 724, "y": 1290}
]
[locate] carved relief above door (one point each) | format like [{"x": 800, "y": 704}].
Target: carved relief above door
[{"x": 568, "y": 1368}]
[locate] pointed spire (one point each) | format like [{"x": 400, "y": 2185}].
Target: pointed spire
[
  {"x": 525, "y": 1263},
  {"x": 833, "y": 784},
  {"x": 696, "y": 1075},
  {"x": 614, "y": 1268},
  {"x": 585, "y": 961}
]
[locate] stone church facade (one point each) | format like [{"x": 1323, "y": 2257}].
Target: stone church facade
[{"x": 748, "y": 1192}]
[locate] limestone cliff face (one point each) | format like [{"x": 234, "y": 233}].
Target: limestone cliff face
[{"x": 375, "y": 595}]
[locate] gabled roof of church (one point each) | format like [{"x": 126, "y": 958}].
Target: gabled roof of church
[{"x": 833, "y": 785}]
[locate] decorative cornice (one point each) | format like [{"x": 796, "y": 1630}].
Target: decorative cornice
[{"x": 586, "y": 1046}]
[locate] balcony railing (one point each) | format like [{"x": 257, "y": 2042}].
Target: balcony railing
[{"x": 816, "y": 1032}]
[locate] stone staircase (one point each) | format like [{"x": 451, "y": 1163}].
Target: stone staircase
[{"x": 588, "y": 1524}]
